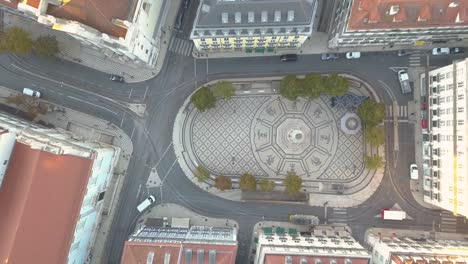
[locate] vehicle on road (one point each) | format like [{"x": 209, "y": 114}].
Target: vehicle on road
[
  {"x": 388, "y": 214},
  {"x": 31, "y": 92},
  {"x": 116, "y": 78},
  {"x": 298, "y": 219},
  {"x": 329, "y": 56},
  {"x": 403, "y": 77},
  {"x": 414, "y": 174},
  {"x": 353, "y": 55},
  {"x": 402, "y": 53},
  {"x": 440, "y": 51},
  {"x": 146, "y": 203},
  {"x": 288, "y": 57},
  {"x": 456, "y": 50}
]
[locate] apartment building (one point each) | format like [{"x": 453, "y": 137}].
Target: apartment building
[
  {"x": 52, "y": 192},
  {"x": 445, "y": 148},
  {"x": 178, "y": 245},
  {"x": 127, "y": 30},
  {"x": 322, "y": 246},
  {"x": 252, "y": 25},
  {"x": 406, "y": 250},
  {"x": 359, "y": 23}
]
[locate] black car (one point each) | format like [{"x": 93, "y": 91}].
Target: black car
[
  {"x": 456, "y": 50},
  {"x": 288, "y": 57},
  {"x": 116, "y": 78}
]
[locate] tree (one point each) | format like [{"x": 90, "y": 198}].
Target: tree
[
  {"x": 248, "y": 183},
  {"x": 293, "y": 183},
  {"x": 203, "y": 99},
  {"x": 16, "y": 40},
  {"x": 373, "y": 162},
  {"x": 291, "y": 87},
  {"x": 224, "y": 90},
  {"x": 313, "y": 85},
  {"x": 28, "y": 103},
  {"x": 336, "y": 85},
  {"x": 266, "y": 185},
  {"x": 202, "y": 173},
  {"x": 46, "y": 46},
  {"x": 223, "y": 183},
  {"x": 375, "y": 136},
  {"x": 371, "y": 113}
]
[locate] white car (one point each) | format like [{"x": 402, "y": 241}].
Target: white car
[
  {"x": 353, "y": 55},
  {"x": 146, "y": 203},
  {"x": 414, "y": 174},
  {"x": 31, "y": 92},
  {"x": 440, "y": 51}
]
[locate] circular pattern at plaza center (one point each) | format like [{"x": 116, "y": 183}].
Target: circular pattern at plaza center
[{"x": 298, "y": 136}]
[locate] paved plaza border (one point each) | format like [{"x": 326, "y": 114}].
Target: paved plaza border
[{"x": 353, "y": 196}]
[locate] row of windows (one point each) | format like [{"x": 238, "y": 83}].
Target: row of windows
[{"x": 248, "y": 38}]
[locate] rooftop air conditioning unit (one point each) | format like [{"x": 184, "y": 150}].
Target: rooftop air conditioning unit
[
  {"x": 394, "y": 9},
  {"x": 454, "y": 4}
]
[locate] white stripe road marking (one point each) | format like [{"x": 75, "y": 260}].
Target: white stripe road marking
[
  {"x": 184, "y": 48},
  {"x": 71, "y": 97},
  {"x": 176, "y": 47},
  {"x": 389, "y": 110}
]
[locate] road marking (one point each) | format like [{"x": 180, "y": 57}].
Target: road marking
[
  {"x": 165, "y": 175},
  {"x": 138, "y": 192},
  {"x": 388, "y": 90},
  {"x": 71, "y": 97},
  {"x": 163, "y": 154}
]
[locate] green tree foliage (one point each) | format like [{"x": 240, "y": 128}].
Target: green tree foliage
[
  {"x": 371, "y": 113},
  {"x": 223, "y": 183},
  {"x": 313, "y": 85},
  {"x": 266, "y": 185},
  {"x": 224, "y": 90},
  {"x": 373, "y": 162},
  {"x": 16, "y": 40},
  {"x": 336, "y": 85},
  {"x": 293, "y": 183},
  {"x": 202, "y": 173},
  {"x": 46, "y": 46},
  {"x": 203, "y": 99},
  {"x": 291, "y": 87},
  {"x": 375, "y": 136},
  {"x": 248, "y": 183}
]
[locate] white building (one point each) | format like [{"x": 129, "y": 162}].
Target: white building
[
  {"x": 56, "y": 180},
  {"x": 393, "y": 250},
  {"x": 445, "y": 148},
  {"x": 327, "y": 246}
]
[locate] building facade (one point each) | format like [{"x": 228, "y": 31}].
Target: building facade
[
  {"x": 320, "y": 247},
  {"x": 177, "y": 245},
  {"x": 359, "y": 23},
  {"x": 252, "y": 25},
  {"x": 127, "y": 30},
  {"x": 445, "y": 145},
  {"x": 76, "y": 174},
  {"x": 393, "y": 250}
]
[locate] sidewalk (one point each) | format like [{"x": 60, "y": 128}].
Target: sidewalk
[
  {"x": 72, "y": 50},
  {"x": 91, "y": 128}
]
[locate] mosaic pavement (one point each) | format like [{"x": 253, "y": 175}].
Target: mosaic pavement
[{"x": 268, "y": 136}]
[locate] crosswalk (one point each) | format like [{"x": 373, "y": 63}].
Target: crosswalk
[
  {"x": 339, "y": 215},
  {"x": 415, "y": 59},
  {"x": 181, "y": 46},
  {"x": 402, "y": 111},
  {"x": 448, "y": 222}
]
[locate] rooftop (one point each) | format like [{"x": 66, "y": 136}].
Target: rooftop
[
  {"x": 389, "y": 14},
  {"x": 281, "y": 259},
  {"x": 40, "y": 201},
  {"x": 9, "y": 3},
  {"x": 254, "y": 13}
]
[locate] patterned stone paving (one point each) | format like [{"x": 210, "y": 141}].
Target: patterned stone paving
[{"x": 268, "y": 136}]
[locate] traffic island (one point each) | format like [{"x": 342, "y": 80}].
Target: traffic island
[{"x": 259, "y": 132}]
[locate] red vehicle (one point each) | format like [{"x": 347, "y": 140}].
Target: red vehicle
[
  {"x": 424, "y": 106},
  {"x": 424, "y": 123}
]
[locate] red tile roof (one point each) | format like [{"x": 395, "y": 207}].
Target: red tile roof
[
  {"x": 375, "y": 14},
  {"x": 9, "y": 3},
  {"x": 40, "y": 201},
  {"x": 280, "y": 259},
  {"x": 97, "y": 14},
  {"x": 137, "y": 252}
]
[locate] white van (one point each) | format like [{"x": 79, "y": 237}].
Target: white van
[
  {"x": 147, "y": 202},
  {"x": 31, "y": 92}
]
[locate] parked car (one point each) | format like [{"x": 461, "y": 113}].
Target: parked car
[
  {"x": 440, "y": 51},
  {"x": 31, "y": 92},
  {"x": 353, "y": 55},
  {"x": 456, "y": 50},
  {"x": 146, "y": 203},
  {"x": 116, "y": 78},
  {"x": 288, "y": 57},
  {"x": 329, "y": 56},
  {"x": 414, "y": 174},
  {"x": 401, "y": 53}
]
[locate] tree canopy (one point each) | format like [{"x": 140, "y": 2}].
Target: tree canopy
[
  {"x": 373, "y": 162},
  {"x": 336, "y": 85},
  {"x": 375, "y": 136},
  {"x": 371, "y": 113},
  {"x": 291, "y": 87},
  {"x": 224, "y": 90},
  {"x": 313, "y": 85},
  {"x": 266, "y": 185},
  {"x": 223, "y": 183},
  {"x": 16, "y": 40},
  {"x": 293, "y": 183},
  {"x": 203, "y": 99},
  {"x": 202, "y": 173},
  {"x": 248, "y": 183},
  {"x": 46, "y": 46}
]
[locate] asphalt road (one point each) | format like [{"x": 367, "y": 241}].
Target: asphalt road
[{"x": 91, "y": 92}]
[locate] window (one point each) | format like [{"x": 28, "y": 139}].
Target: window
[
  {"x": 449, "y": 86},
  {"x": 441, "y": 88},
  {"x": 442, "y": 100},
  {"x": 448, "y": 99},
  {"x": 202, "y": 39},
  {"x": 460, "y": 109},
  {"x": 214, "y": 39},
  {"x": 460, "y": 84},
  {"x": 460, "y": 138},
  {"x": 226, "y": 39},
  {"x": 460, "y": 122}
]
